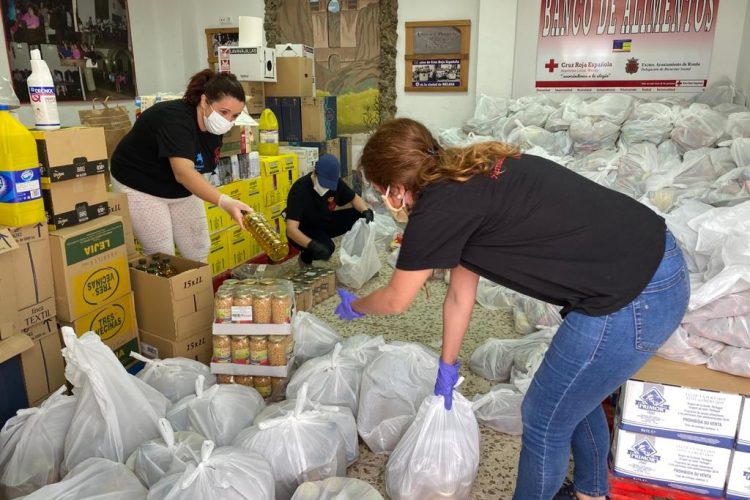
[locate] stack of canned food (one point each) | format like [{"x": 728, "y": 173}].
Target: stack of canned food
[{"x": 312, "y": 286}]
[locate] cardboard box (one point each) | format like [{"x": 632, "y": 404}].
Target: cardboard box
[
  {"x": 294, "y": 50},
  {"x": 43, "y": 367},
  {"x": 90, "y": 266},
  {"x": 291, "y": 117},
  {"x": 73, "y": 162},
  {"x": 345, "y": 143},
  {"x": 255, "y": 97},
  {"x": 295, "y": 77},
  {"x": 32, "y": 265},
  {"x": 11, "y": 375},
  {"x": 333, "y": 147},
  {"x": 218, "y": 254},
  {"x": 41, "y": 329},
  {"x": 198, "y": 347},
  {"x": 116, "y": 324},
  {"x": 218, "y": 219},
  {"x": 185, "y": 301},
  {"x": 240, "y": 246},
  {"x": 118, "y": 205},
  {"x": 234, "y": 142},
  {"x": 8, "y": 304},
  {"x": 673, "y": 463},
  {"x": 699, "y": 416},
  {"x": 252, "y": 193},
  {"x": 743, "y": 433},
  {"x": 307, "y": 157},
  {"x": 738, "y": 482},
  {"x": 319, "y": 115},
  {"x": 254, "y": 64}
]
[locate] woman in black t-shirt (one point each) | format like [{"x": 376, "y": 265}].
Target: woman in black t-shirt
[
  {"x": 540, "y": 229},
  {"x": 160, "y": 162}
]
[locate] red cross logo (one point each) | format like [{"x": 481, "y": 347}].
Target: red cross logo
[{"x": 551, "y": 65}]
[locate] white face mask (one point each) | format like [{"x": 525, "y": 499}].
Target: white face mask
[
  {"x": 399, "y": 214},
  {"x": 217, "y": 124}
]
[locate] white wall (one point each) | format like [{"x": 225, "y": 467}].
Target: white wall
[
  {"x": 743, "y": 70},
  {"x": 725, "y": 58}
]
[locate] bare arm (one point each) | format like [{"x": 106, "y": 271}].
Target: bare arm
[
  {"x": 457, "y": 307},
  {"x": 293, "y": 233},
  {"x": 359, "y": 204},
  {"x": 185, "y": 173},
  {"x": 396, "y": 296}
]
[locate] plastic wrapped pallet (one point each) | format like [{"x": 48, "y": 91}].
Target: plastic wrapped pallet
[
  {"x": 32, "y": 445},
  {"x": 170, "y": 454},
  {"x": 227, "y": 473},
  {"x": 94, "y": 479},
  {"x": 300, "y": 446},
  {"x": 174, "y": 377},
  {"x": 313, "y": 337},
  {"x": 438, "y": 456},
  {"x": 115, "y": 412},
  {"x": 393, "y": 387},
  {"x": 336, "y": 488},
  {"x": 500, "y": 409}
]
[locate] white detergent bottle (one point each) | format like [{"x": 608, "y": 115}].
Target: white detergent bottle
[{"x": 42, "y": 94}]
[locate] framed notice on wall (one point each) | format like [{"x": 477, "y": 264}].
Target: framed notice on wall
[
  {"x": 437, "y": 56},
  {"x": 602, "y": 45},
  {"x": 220, "y": 37}
]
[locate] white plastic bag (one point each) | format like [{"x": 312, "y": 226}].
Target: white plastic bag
[
  {"x": 359, "y": 255},
  {"x": 362, "y": 348},
  {"x": 614, "y": 108},
  {"x": 336, "y": 488},
  {"x": 678, "y": 348},
  {"x": 174, "y": 377},
  {"x": 438, "y": 457},
  {"x": 698, "y": 126},
  {"x": 113, "y": 415},
  {"x": 301, "y": 446},
  {"x": 94, "y": 479},
  {"x": 732, "y": 330},
  {"x": 313, "y": 337},
  {"x": 227, "y": 473},
  {"x": 734, "y": 360},
  {"x": 333, "y": 379},
  {"x": 650, "y": 122},
  {"x": 32, "y": 445},
  {"x": 170, "y": 454},
  {"x": 385, "y": 230},
  {"x": 341, "y": 416},
  {"x": 494, "y": 359},
  {"x": 223, "y": 410},
  {"x": 738, "y": 125},
  {"x": 588, "y": 135},
  {"x": 393, "y": 387},
  {"x": 493, "y": 296},
  {"x": 526, "y": 361},
  {"x": 729, "y": 305},
  {"x": 486, "y": 114},
  {"x": 500, "y": 409}
]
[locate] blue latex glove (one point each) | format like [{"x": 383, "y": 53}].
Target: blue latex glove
[
  {"x": 344, "y": 309},
  {"x": 447, "y": 377}
]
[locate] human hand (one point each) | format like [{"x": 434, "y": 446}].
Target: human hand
[
  {"x": 318, "y": 250},
  {"x": 447, "y": 377},
  {"x": 368, "y": 215},
  {"x": 234, "y": 208},
  {"x": 344, "y": 309}
]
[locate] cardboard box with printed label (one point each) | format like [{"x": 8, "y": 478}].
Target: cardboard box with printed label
[
  {"x": 289, "y": 172},
  {"x": 11, "y": 375},
  {"x": 240, "y": 246},
  {"x": 295, "y": 76},
  {"x": 33, "y": 285},
  {"x": 254, "y": 64},
  {"x": 116, "y": 324},
  {"x": 73, "y": 162},
  {"x": 270, "y": 170},
  {"x": 294, "y": 50},
  {"x": 306, "y": 158},
  {"x": 43, "y": 367},
  {"x": 118, "y": 205},
  {"x": 218, "y": 253},
  {"x": 275, "y": 217},
  {"x": 185, "y": 301},
  {"x": 234, "y": 142},
  {"x": 90, "y": 266},
  {"x": 8, "y": 304},
  {"x": 42, "y": 329},
  {"x": 218, "y": 219},
  {"x": 252, "y": 193},
  {"x": 674, "y": 463},
  {"x": 255, "y": 98},
  {"x": 319, "y": 115},
  {"x": 198, "y": 347},
  {"x": 738, "y": 483}
]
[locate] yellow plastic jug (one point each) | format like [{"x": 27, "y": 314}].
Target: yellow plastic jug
[{"x": 268, "y": 130}]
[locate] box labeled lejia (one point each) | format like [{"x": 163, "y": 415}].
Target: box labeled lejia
[
  {"x": 185, "y": 301},
  {"x": 696, "y": 415},
  {"x": 90, "y": 266},
  {"x": 115, "y": 323},
  {"x": 118, "y": 205},
  {"x": 738, "y": 482},
  {"x": 673, "y": 463},
  {"x": 197, "y": 347}
]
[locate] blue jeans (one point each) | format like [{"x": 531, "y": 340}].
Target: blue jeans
[{"x": 588, "y": 359}]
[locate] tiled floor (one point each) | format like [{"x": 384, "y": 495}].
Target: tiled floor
[{"x": 422, "y": 323}]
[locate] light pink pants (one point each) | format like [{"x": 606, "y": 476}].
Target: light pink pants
[{"x": 160, "y": 223}]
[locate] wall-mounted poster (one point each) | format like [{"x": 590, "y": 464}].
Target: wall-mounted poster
[
  {"x": 437, "y": 56},
  {"x": 85, "y": 43},
  {"x": 436, "y": 73},
  {"x": 629, "y": 46}
]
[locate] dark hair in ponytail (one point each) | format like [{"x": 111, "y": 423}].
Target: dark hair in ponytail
[{"x": 214, "y": 85}]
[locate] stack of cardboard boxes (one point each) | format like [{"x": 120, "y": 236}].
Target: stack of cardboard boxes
[
  {"x": 89, "y": 248},
  {"x": 677, "y": 427}
]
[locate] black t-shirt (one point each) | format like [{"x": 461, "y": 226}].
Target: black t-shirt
[
  {"x": 539, "y": 229},
  {"x": 170, "y": 128},
  {"x": 313, "y": 211}
]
